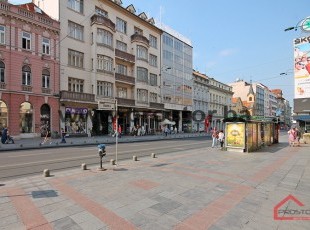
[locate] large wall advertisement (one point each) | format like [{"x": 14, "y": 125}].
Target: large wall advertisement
[{"x": 302, "y": 67}]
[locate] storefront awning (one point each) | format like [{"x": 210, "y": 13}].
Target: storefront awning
[{"x": 302, "y": 117}]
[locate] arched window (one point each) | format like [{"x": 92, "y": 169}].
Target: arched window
[
  {"x": 250, "y": 98},
  {"x": 26, "y": 117},
  {"x": 46, "y": 79},
  {"x": 3, "y": 115},
  {"x": 2, "y": 71},
  {"x": 26, "y": 78},
  {"x": 45, "y": 126}
]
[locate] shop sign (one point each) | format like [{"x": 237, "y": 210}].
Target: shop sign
[{"x": 71, "y": 110}]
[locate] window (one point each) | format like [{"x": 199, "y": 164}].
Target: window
[
  {"x": 26, "y": 117},
  {"x": 122, "y": 92},
  {"x": 121, "y": 46},
  {"x": 76, "y": 31},
  {"x": 75, "y": 85},
  {"x": 153, "y": 60},
  {"x": 121, "y": 69},
  {"x": 168, "y": 40},
  {"x": 75, "y": 58},
  {"x": 46, "y": 46},
  {"x": 141, "y": 52},
  {"x": 121, "y": 26},
  {"x": 153, "y": 97},
  {"x": 142, "y": 74},
  {"x": 76, "y": 5},
  {"x": 142, "y": 95},
  {"x": 153, "y": 41},
  {"x": 101, "y": 12},
  {"x": 104, "y": 63},
  {"x": 2, "y": 71},
  {"x": 105, "y": 37},
  {"x": 2, "y": 35},
  {"x": 26, "y": 41},
  {"x": 26, "y": 75},
  {"x": 153, "y": 79},
  {"x": 104, "y": 88},
  {"x": 45, "y": 79}
]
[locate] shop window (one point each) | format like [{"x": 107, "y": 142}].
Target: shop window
[
  {"x": 3, "y": 115},
  {"x": 75, "y": 120},
  {"x": 26, "y": 117},
  {"x": 45, "y": 127}
]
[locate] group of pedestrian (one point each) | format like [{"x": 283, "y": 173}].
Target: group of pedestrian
[
  {"x": 294, "y": 136},
  {"x": 217, "y": 137}
]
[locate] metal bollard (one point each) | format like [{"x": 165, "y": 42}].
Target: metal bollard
[
  {"x": 153, "y": 155},
  {"x": 135, "y": 158}
]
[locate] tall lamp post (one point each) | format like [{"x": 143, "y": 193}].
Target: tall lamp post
[{"x": 304, "y": 24}]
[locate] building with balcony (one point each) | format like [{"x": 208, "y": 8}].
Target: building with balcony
[
  {"x": 200, "y": 102},
  {"x": 108, "y": 53},
  {"x": 220, "y": 102},
  {"x": 29, "y": 70},
  {"x": 176, "y": 78}
]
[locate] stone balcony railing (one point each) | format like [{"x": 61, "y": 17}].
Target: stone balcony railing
[
  {"x": 66, "y": 95},
  {"x": 101, "y": 20},
  {"x": 124, "y": 56},
  {"x": 27, "y": 88},
  {"x": 140, "y": 38},
  {"x": 124, "y": 78}
]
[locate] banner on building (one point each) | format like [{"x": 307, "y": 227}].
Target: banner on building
[{"x": 302, "y": 67}]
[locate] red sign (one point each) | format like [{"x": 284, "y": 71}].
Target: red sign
[{"x": 292, "y": 214}]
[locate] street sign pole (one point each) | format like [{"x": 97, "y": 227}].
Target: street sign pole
[{"x": 116, "y": 131}]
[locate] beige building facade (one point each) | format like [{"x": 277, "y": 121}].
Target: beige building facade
[{"x": 109, "y": 56}]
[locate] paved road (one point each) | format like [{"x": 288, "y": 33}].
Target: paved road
[
  {"x": 201, "y": 189},
  {"x": 34, "y": 161}
]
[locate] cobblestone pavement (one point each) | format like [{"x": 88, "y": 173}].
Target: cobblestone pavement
[{"x": 202, "y": 189}]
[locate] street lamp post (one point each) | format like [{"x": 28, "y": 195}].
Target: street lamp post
[{"x": 304, "y": 24}]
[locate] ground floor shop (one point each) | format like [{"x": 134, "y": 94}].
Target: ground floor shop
[{"x": 29, "y": 115}]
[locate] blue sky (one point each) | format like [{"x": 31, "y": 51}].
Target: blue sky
[{"x": 235, "y": 39}]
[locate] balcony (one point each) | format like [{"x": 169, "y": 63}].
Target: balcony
[
  {"x": 140, "y": 38},
  {"x": 124, "y": 78},
  {"x": 101, "y": 20},
  {"x": 125, "y": 56},
  {"x": 27, "y": 88},
  {"x": 75, "y": 96},
  {"x": 154, "y": 105},
  {"x": 46, "y": 91},
  {"x": 125, "y": 102}
]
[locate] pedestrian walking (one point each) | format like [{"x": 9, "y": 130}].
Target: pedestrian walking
[
  {"x": 221, "y": 137},
  {"x": 63, "y": 136},
  {"x": 292, "y": 135},
  {"x": 214, "y": 137}
]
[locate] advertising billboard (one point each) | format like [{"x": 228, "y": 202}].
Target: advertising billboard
[{"x": 302, "y": 67}]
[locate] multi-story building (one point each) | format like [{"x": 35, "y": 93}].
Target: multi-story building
[
  {"x": 200, "y": 101},
  {"x": 283, "y": 111},
  {"x": 29, "y": 70},
  {"x": 220, "y": 102},
  {"x": 176, "y": 77},
  {"x": 108, "y": 53}
]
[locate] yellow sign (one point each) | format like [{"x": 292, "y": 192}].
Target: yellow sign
[{"x": 235, "y": 135}]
